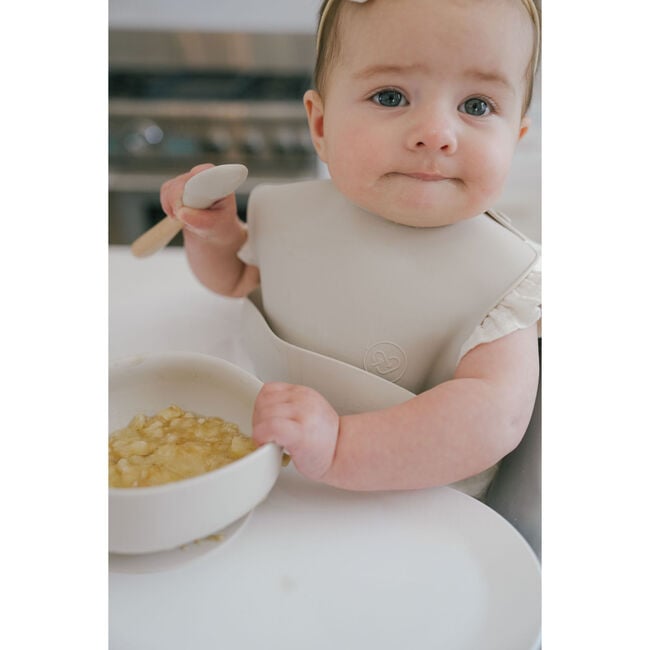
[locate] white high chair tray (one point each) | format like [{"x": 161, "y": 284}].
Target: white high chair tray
[
  {"x": 320, "y": 568},
  {"x": 313, "y": 567}
]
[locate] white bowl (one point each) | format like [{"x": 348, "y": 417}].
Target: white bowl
[{"x": 162, "y": 517}]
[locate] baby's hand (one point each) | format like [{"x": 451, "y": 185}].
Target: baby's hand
[
  {"x": 218, "y": 222},
  {"x": 300, "y": 420}
]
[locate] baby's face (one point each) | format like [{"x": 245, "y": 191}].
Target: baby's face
[{"x": 422, "y": 109}]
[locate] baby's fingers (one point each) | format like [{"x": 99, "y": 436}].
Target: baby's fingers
[
  {"x": 284, "y": 432},
  {"x": 171, "y": 192},
  {"x": 215, "y": 221},
  {"x": 277, "y": 416}
]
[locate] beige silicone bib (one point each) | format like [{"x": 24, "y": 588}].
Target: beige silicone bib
[
  {"x": 393, "y": 300},
  {"x": 366, "y": 311}
]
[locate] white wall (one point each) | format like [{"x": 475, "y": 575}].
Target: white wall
[{"x": 217, "y": 15}]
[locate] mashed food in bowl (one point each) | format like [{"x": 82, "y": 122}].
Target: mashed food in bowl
[{"x": 172, "y": 445}]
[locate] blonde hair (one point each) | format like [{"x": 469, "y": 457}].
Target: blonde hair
[{"x": 327, "y": 44}]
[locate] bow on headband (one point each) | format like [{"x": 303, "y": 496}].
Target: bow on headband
[{"x": 324, "y": 14}]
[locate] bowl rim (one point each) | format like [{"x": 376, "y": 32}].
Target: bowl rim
[{"x": 267, "y": 449}]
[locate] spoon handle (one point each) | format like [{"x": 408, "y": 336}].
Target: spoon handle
[
  {"x": 200, "y": 191},
  {"x": 156, "y": 237}
]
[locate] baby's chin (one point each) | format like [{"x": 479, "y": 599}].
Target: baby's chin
[
  {"x": 408, "y": 208},
  {"x": 417, "y": 218}
]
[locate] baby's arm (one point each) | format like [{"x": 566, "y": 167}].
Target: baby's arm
[
  {"x": 212, "y": 239},
  {"x": 446, "y": 434}
]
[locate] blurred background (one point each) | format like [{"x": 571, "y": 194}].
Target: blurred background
[{"x": 221, "y": 81}]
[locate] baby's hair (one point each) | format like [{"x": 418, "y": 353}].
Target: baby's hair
[{"x": 327, "y": 44}]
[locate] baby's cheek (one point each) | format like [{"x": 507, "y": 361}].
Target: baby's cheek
[
  {"x": 351, "y": 176},
  {"x": 491, "y": 175}
]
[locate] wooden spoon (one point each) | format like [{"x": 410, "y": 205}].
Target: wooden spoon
[{"x": 201, "y": 191}]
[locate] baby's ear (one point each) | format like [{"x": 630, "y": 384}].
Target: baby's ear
[
  {"x": 523, "y": 128},
  {"x": 315, "y": 116}
]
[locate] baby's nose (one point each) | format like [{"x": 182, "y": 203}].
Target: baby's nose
[{"x": 433, "y": 129}]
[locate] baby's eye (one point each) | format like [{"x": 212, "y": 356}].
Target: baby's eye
[
  {"x": 389, "y": 97},
  {"x": 475, "y": 106}
]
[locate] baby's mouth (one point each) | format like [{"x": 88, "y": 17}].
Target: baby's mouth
[{"x": 424, "y": 176}]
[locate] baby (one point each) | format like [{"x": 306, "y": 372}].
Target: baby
[{"x": 417, "y": 109}]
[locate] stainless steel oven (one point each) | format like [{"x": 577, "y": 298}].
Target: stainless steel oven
[{"x": 177, "y": 99}]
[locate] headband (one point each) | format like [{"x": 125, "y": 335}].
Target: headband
[{"x": 322, "y": 19}]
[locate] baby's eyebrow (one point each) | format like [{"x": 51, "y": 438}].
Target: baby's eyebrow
[
  {"x": 387, "y": 68},
  {"x": 490, "y": 77},
  {"x": 474, "y": 74}
]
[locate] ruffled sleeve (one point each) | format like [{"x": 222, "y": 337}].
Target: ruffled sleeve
[{"x": 519, "y": 309}]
